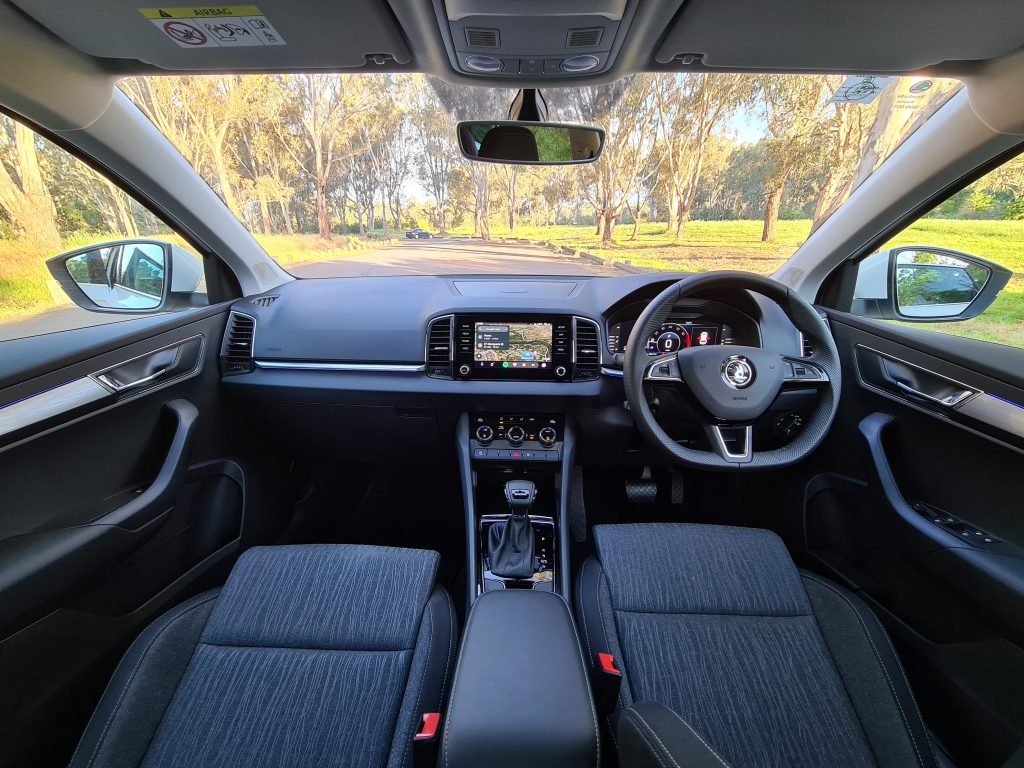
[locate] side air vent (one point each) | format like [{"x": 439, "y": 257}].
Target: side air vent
[
  {"x": 263, "y": 301},
  {"x": 483, "y": 38},
  {"x": 588, "y": 350},
  {"x": 584, "y": 38},
  {"x": 439, "y": 348},
  {"x": 236, "y": 352}
]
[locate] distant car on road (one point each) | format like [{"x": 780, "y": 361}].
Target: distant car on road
[{"x": 418, "y": 234}]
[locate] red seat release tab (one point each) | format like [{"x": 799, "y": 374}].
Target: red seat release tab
[
  {"x": 428, "y": 727},
  {"x": 607, "y": 662}
]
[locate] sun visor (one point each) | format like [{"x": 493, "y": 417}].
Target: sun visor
[
  {"x": 842, "y": 36},
  {"x": 268, "y": 35}
]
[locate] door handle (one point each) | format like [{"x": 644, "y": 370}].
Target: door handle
[
  {"x": 122, "y": 386},
  {"x": 949, "y": 401}
]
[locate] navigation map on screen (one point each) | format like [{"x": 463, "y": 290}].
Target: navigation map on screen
[{"x": 512, "y": 345}]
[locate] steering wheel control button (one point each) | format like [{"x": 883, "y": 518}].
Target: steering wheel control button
[
  {"x": 738, "y": 372},
  {"x": 666, "y": 369}
]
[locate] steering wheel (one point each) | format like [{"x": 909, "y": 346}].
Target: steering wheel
[{"x": 733, "y": 385}]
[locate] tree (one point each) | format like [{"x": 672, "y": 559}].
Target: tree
[
  {"x": 690, "y": 108},
  {"x": 325, "y": 106},
  {"x": 24, "y": 197},
  {"x": 626, "y": 109},
  {"x": 793, "y": 108}
]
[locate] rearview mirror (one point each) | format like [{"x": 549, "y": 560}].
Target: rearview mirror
[
  {"x": 921, "y": 284},
  {"x": 129, "y": 276},
  {"x": 520, "y": 142}
]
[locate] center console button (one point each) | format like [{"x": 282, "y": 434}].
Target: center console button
[
  {"x": 484, "y": 433},
  {"x": 560, "y": 371},
  {"x": 547, "y": 435},
  {"x": 465, "y": 369},
  {"x": 516, "y": 435}
]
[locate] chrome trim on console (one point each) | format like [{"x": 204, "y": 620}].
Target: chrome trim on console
[{"x": 362, "y": 367}]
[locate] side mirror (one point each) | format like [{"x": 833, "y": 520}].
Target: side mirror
[
  {"x": 522, "y": 142},
  {"x": 920, "y": 284},
  {"x": 129, "y": 276}
]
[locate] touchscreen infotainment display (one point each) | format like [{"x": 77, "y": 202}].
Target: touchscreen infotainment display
[{"x": 512, "y": 345}]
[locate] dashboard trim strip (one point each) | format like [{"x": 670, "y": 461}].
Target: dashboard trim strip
[{"x": 364, "y": 367}]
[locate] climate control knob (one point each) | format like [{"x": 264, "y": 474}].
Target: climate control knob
[
  {"x": 516, "y": 435},
  {"x": 484, "y": 434},
  {"x": 548, "y": 436}
]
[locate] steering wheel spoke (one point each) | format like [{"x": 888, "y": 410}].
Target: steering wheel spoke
[
  {"x": 733, "y": 444},
  {"x": 803, "y": 373},
  {"x": 664, "y": 368}
]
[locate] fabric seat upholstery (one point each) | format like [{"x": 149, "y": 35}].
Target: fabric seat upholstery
[
  {"x": 732, "y": 656},
  {"x": 320, "y": 655}
]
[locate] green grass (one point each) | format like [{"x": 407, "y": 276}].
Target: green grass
[{"x": 705, "y": 245}]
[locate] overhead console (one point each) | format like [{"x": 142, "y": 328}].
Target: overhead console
[
  {"x": 534, "y": 38},
  {"x": 517, "y": 347}
]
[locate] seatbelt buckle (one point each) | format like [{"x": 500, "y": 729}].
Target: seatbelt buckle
[
  {"x": 429, "y": 725},
  {"x": 606, "y": 683}
]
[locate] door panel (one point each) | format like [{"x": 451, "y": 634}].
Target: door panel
[
  {"x": 115, "y": 507},
  {"x": 918, "y": 507}
]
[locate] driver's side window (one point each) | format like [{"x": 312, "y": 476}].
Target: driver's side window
[{"x": 959, "y": 269}]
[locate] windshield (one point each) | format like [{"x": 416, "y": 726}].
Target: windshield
[{"x": 346, "y": 175}]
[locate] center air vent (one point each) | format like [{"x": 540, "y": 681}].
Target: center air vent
[
  {"x": 482, "y": 38},
  {"x": 236, "y": 352},
  {"x": 588, "y": 350},
  {"x": 439, "y": 348},
  {"x": 584, "y": 37}
]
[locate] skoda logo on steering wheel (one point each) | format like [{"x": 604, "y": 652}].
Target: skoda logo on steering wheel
[{"x": 738, "y": 372}]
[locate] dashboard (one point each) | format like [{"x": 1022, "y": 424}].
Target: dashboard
[{"x": 381, "y": 368}]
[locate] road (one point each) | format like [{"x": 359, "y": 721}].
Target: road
[
  {"x": 453, "y": 256},
  {"x": 409, "y": 257}
]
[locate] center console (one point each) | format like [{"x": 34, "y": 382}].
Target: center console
[
  {"x": 521, "y": 696},
  {"x": 515, "y": 471}
]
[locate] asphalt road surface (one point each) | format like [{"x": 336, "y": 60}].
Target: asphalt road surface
[
  {"x": 453, "y": 256},
  {"x": 441, "y": 256}
]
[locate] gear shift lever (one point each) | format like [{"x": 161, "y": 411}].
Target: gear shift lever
[{"x": 510, "y": 543}]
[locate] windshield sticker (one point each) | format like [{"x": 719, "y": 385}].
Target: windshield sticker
[
  {"x": 234, "y": 26},
  {"x": 859, "y": 89}
]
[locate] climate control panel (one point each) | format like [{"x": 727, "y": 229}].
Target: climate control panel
[{"x": 516, "y": 437}]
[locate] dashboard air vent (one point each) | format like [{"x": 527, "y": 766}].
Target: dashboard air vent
[
  {"x": 584, "y": 38},
  {"x": 483, "y": 38},
  {"x": 439, "y": 348},
  {"x": 263, "y": 301},
  {"x": 236, "y": 352},
  {"x": 588, "y": 350}
]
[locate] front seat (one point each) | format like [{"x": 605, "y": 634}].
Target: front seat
[
  {"x": 309, "y": 656},
  {"x": 730, "y": 656}
]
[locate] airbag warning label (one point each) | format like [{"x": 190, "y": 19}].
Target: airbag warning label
[{"x": 233, "y": 26}]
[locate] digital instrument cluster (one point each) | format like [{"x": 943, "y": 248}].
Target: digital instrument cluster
[{"x": 669, "y": 337}]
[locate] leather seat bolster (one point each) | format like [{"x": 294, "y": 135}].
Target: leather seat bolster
[
  {"x": 142, "y": 686},
  {"x": 872, "y": 674},
  {"x": 429, "y": 676},
  {"x": 650, "y": 735}
]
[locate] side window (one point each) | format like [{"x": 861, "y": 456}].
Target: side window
[
  {"x": 76, "y": 250},
  {"x": 959, "y": 269}
]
